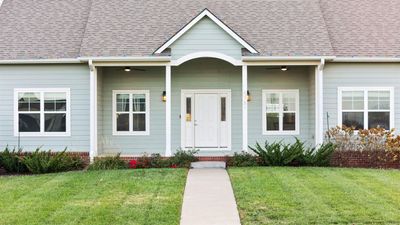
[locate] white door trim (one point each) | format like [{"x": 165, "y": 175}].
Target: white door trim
[{"x": 186, "y": 92}]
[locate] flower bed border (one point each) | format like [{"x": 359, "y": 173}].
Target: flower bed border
[{"x": 366, "y": 159}]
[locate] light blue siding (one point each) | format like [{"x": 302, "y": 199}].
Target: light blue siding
[
  {"x": 75, "y": 77},
  {"x": 152, "y": 79},
  {"x": 260, "y": 78},
  {"x": 206, "y": 36},
  {"x": 358, "y": 75}
]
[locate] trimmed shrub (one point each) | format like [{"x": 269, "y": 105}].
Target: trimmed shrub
[
  {"x": 11, "y": 161},
  {"x": 154, "y": 160},
  {"x": 109, "y": 163},
  {"x": 243, "y": 159},
  {"x": 318, "y": 157},
  {"x": 278, "y": 154},
  {"x": 39, "y": 162},
  {"x": 183, "y": 158}
]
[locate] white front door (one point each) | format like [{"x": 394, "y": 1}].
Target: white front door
[
  {"x": 206, "y": 121},
  {"x": 206, "y": 118}
]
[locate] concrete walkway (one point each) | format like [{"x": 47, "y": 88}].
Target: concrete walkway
[{"x": 209, "y": 199}]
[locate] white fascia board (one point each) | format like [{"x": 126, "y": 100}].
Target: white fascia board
[
  {"x": 207, "y": 13},
  {"x": 285, "y": 58},
  {"x": 40, "y": 61},
  {"x": 127, "y": 59},
  {"x": 367, "y": 59}
]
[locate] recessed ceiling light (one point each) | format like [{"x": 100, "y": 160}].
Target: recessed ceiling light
[
  {"x": 127, "y": 69},
  {"x": 284, "y": 68}
]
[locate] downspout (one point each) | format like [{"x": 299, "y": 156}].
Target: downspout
[{"x": 93, "y": 111}]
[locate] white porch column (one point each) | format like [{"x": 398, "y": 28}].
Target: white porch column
[
  {"x": 168, "y": 111},
  {"x": 244, "y": 108},
  {"x": 319, "y": 104},
  {"x": 93, "y": 111}
]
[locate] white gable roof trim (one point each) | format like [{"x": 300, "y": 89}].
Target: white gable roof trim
[{"x": 207, "y": 13}]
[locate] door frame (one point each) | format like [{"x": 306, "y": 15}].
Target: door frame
[{"x": 228, "y": 106}]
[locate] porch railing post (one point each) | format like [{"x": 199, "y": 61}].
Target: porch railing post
[
  {"x": 168, "y": 111},
  {"x": 93, "y": 111},
  {"x": 244, "y": 108}
]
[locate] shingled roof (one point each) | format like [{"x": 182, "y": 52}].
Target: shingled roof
[{"x": 51, "y": 29}]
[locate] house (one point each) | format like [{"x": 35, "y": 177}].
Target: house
[{"x": 134, "y": 76}]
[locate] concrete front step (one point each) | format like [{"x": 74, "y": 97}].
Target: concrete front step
[{"x": 208, "y": 165}]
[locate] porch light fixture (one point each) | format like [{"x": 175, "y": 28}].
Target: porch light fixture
[
  {"x": 127, "y": 69},
  {"x": 248, "y": 97},
  {"x": 164, "y": 96},
  {"x": 284, "y": 68}
]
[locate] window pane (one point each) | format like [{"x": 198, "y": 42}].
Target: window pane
[
  {"x": 289, "y": 121},
  {"x": 379, "y": 119},
  {"x": 139, "y": 102},
  {"x": 289, "y": 101},
  {"x": 353, "y": 119},
  {"x": 272, "y": 102},
  {"x": 352, "y": 100},
  {"x": 122, "y": 122},
  {"x": 272, "y": 121},
  {"x": 139, "y": 122},
  {"x": 122, "y": 102},
  {"x": 55, "y": 122},
  {"x": 379, "y": 100},
  {"x": 29, "y": 122},
  {"x": 55, "y": 101},
  {"x": 223, "y": 109},
  {"x": 29, "y": 101},
  {"x": 188, "y": 109}
]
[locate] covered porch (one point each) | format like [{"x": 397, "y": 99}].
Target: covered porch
[{"x": 230, "y": 97}]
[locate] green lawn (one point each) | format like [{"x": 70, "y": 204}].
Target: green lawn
[
  {"x": 317, "y": 195},
  {"x": 151, "y": 197}
]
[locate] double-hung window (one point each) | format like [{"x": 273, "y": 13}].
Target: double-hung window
[
  {"x": 280, "y": 112},
  {"x": 131, "y": 112},
  {"x": 42, "y": 112},
  {"x": 364, "y": 108}
]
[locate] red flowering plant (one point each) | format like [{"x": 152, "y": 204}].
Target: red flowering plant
[
  {"x": 133, "y": 164},
  {"x": 173, "y": 166}
]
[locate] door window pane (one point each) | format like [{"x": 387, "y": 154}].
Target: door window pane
[
  {"x": 122, "y": 102},
  {"x": 223, "y": 109},
  {"x": 188, "y": 109},
  {"x": 55, "y": 122},
  {"x": 29, "y": 122},
  {"x": 55, "y": 101},
  {"x": 139, "y": 103},
  {"x": 289, "y": 121},
  {"x": 29, "y": 101},
  {"x": 379, "y": 119},
  {"x": 139, "y": 122},
  {"x": 122, "y": 122},
  {"x": 272, "y": 121},
  {"x": 353, "y": 119}
]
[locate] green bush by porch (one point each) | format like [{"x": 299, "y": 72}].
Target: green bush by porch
[
  {"x": 287, "y": 195},
  {"x": 151, "y": 196}
]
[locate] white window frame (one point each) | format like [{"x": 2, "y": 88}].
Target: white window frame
[
  {"x": 366, "y": 110},
  {"x": 264, "y": 112},
  {"x": 114, "y": 111},
  {"x": 42, "y": 112}
]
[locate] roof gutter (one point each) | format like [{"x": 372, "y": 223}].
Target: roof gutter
[
  {"x": 286, "y": 58},
  {"x": 127, "y": 59},
  {"x": 39, "y": 61},
  {"x": 367, "y": 59}
]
